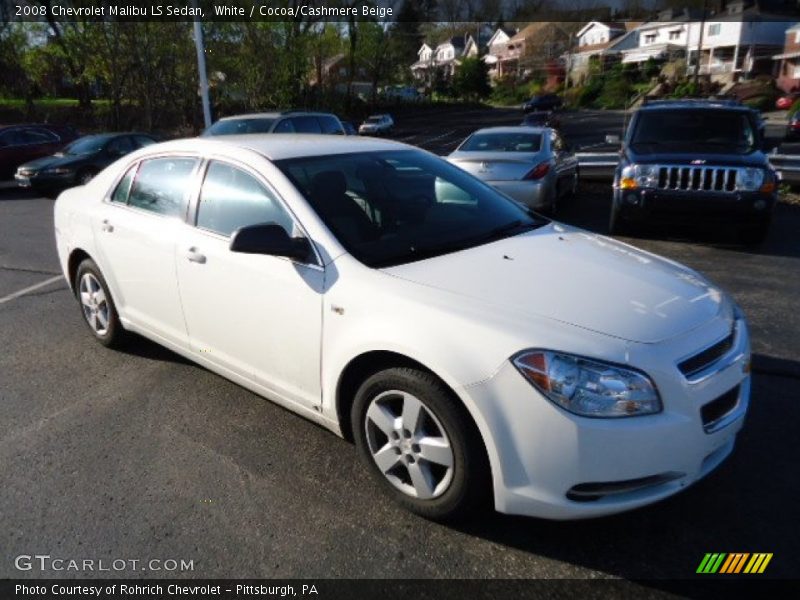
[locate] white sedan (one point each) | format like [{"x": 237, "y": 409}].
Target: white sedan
[{"x": 474, "y": 351}]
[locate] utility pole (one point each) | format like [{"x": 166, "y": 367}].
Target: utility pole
[
  {"x": 699, "y": 43},
  {"x": 201, "y": 68}
]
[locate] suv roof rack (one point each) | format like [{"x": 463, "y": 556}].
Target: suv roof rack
[{"x": 714, "y": 100}]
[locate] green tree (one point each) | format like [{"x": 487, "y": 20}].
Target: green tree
[{"x": 471, "y": 79}]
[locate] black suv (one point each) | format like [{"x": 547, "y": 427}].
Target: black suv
[{"x": 698, "y": 160}]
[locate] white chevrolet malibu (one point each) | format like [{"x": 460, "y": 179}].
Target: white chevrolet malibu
[{"x": 473, "y": 350}]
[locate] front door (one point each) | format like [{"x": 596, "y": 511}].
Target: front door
[{"x": 259, "y": 316}]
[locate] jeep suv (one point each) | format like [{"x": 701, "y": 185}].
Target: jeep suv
[
  {"x": 292, "y": 121},
  {"x": 698, "y": 160}
]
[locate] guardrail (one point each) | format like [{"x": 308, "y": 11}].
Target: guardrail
[
  {"x": 597, "y": 165},
  {"x": 787, "y": 166}
]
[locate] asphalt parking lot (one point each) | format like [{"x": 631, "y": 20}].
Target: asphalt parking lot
[{"x": 138, "y": 454}]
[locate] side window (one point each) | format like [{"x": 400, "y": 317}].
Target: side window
[
  {"x": 330, "y": 125},
  {"x": 306, "y": 124},
  {"x": 34, "y": 136},
  {"x": 160, "y": 185},
  {"x": 120, "y": 146},
  {"x": 231, "y": 198},
  {"x": 123, "y": 187},
  {"x": 284, "y": 126}
]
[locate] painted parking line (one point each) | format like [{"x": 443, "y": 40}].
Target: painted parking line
[{"x": 30, "y": 289}]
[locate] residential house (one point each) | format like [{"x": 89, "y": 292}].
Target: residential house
[
  {"x": 444, "y": 59},
  {"x": 666, "y": 38},
  {"x": 495, "y": 46},
  {"x": 599, "y": 42},
  {"x": 334, "y": 74},
  {"x": 788, "y": 61},
  {"x": 536, "y": 51},
  {"x": 738, "y": 42}
]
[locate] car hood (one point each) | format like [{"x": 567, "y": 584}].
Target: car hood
[
  {"x": 754, "y": 159},
  {"x": 579, "y": 278},
  {"x": 51, "y": 162}
]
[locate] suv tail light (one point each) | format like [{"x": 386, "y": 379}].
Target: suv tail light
[{"x": 538, "y": 171}]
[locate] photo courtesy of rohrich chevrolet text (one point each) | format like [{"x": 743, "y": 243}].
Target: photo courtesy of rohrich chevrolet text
[{"x": 399, "y": 298}]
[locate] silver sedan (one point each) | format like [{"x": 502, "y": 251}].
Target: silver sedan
[{"x": 532, "y": 165}]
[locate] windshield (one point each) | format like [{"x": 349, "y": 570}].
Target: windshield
[
  {"x": 502, "y": 142},
  {"x": 236, "y": 126},
  {"x": 393, "y": 207},
  {"x": 689, "y": 130},
  {"x": 86, "y": 145}
]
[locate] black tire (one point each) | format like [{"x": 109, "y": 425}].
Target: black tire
[
  {"x": 470, "y": 486},
  {"x": 113, "y": 335},
  {"x": 754, "y": 236},
  {"x": 84, "y": 176}
]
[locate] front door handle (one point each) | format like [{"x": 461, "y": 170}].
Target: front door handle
[
  {"x": 106, "y": 226},
  {"x": 194, "y": 256}
]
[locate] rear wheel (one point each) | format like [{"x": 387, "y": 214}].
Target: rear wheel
[
  {"x": 420, "y": 444},
  {"x": 97, "y": 305}
]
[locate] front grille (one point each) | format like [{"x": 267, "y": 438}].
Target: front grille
[
  {"x": 702, "y": 360},
  {"x": 717, "y": 409},
  {"x": 712, "y": 179}
]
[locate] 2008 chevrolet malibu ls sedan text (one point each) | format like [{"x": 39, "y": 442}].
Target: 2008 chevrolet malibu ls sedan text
[{"x": 472, "y": 349}]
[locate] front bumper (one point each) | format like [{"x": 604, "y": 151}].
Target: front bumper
[
  {"x": 534, "y": 194},
  {"x": 43, "y": 180},
  {"x": 687, "y": 206},
  {"x": 543, "y": 455}
]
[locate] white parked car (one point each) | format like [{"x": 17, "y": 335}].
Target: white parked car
[
  {"x": 377, "y": 125},
  {"x": 473, "y": 350},
  {"x": 533, "y": 165}
]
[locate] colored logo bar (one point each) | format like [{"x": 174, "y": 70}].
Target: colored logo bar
[{"x": 734, "y": 562}]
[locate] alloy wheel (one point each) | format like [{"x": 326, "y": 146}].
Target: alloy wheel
[
  {"x": 94, "y": 303},
  {"x": 409, "y": 445}
]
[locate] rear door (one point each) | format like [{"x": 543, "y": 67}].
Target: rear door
[{"x": 136, "y": 233}]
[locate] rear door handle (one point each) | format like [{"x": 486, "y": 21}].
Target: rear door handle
[
  {"x": 194, "y": 256},
  {"x": 106, "y": 226}
]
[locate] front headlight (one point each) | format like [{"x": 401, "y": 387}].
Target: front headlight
[
  {"x": 586, "y": 387},
  {"x": 638, "y": 176},
  {"x": 750, "y": 179}
]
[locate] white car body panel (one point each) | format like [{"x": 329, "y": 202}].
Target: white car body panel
[{"x": 461, "y": 315}]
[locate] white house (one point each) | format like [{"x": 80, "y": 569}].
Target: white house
[
  {"x": 495, "y": 47},
  {"x": 739, "y": 41},
  {"x": 594, "y": 40},
  {"x": 444, "y": 58}
]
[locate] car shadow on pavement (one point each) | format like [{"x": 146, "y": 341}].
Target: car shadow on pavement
[
  {"x": 591, "y": 209},
  {"x": 747, "y": 505},
  {"x": 136, "y": 345}
]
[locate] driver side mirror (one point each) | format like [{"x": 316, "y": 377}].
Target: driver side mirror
[{"x": 270, "y": 239}]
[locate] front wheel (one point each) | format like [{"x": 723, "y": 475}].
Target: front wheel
[
  {"x": 97, "y": 305},
  {"x": 617, "y": 224},
  {"x": 420, "y": 444},
  {"x": 754, "y": 236}
]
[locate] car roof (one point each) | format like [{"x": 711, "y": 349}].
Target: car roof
[
  {"x": 276, "y": 114},
  {"x": 280, "y": 146},
  {"x": 512, "y": 129},
  {"x": 696, "y": 104}
]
